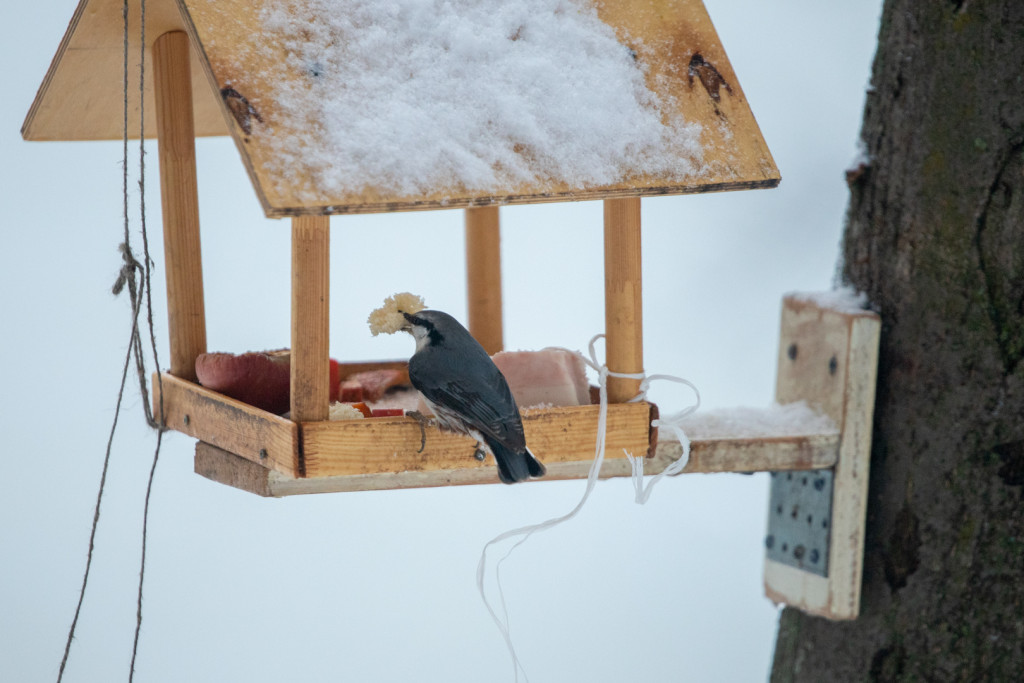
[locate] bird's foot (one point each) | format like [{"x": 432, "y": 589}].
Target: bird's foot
[{"x": 424, "y": 421}]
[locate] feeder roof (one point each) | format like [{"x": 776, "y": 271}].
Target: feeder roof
[{"x": 343, "y": 106}]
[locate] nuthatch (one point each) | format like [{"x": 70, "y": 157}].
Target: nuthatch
[{"x": 467, "y": 393}]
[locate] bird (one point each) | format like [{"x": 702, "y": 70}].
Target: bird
[{"x": 467, "y": 392}]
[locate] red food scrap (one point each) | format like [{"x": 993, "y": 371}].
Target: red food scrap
[
  {"x": 387, "y": 412},
  {"x": 375, "y": 382},
  {"x": 259, "y": 378},
  {"x": 350, "y": 391}
]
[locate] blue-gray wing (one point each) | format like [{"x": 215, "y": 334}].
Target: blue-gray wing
[{"x": 472, "y": 387}]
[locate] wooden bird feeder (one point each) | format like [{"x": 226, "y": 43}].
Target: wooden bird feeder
[{"x": 208, "y": 78}]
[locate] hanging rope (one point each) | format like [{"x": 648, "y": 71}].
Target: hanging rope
[
  {"x": 642, "y": 493},
  {"x": 159, "y": 423},
  {"x": 135, "y": 278}
]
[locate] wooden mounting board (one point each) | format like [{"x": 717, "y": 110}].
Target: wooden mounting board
[
  {"x": 829, "y": 358},
  {"x": 82, "y": 94},
  {"x": 81, "y": 98}
]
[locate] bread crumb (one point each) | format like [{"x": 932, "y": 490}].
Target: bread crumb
[
  {"x": 344, "y": 411},
  {"x": 388, "y": 319}
]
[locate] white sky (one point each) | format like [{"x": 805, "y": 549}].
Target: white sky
[{"x": 380, "y": 586}]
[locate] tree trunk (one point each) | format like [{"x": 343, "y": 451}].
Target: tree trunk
[{"x": 935, "y": 236}]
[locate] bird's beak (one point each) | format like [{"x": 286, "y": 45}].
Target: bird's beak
[{"x": 408, "y": 321}]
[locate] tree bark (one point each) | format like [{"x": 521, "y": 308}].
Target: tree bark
[{"x": 935, "y": 236}]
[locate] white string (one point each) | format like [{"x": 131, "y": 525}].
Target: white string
[
  {"x": 673, "y": 424},
  {"x": 642, "y": 494}
]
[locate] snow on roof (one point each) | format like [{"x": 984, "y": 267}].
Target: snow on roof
[
  {"x": 409, "y": 96},
  {"x": 361, "y": 106}
]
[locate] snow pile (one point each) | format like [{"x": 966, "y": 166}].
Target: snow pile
[
  {"x": 417, "y": 96},
  {"x": 775, "y": 420},
  {"x": 842, "y": 300}
]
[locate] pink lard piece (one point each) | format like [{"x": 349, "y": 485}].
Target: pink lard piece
[{"x": 549, "y": 377}]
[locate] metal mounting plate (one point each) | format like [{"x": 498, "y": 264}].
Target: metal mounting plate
[{"x": 799, "y": 520}]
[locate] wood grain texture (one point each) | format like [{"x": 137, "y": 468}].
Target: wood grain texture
[
  {"x": 623, "y": 296},
  {"x": 310, "y": 385},
  {"x": 796, "y": 452},
  {"x": 830, "y": 360},
  {"x": 179, "y": 194},
  {"x": 249, "y": 432},
  {"x": 751, "y": 454},
  {"x": 735, "y": 154},
  {"x": 392, "y": 444},
  {"x": 225, "y": 467},
  {"x": 81, "y": 96},
  {"x": 483, "y": 277}
]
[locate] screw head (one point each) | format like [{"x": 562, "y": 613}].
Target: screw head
[
  {"x": 833, "y": 365},
  {"x": 186, "y": 420},
  {"x": 263, "y": 454},
  {"x": 791, "y": 351}
]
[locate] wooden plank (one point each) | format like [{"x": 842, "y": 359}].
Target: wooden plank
[
  {"x": 179, "y": 194},
  {"x": 797, "y": 452},
  {"x": 224, "y": 467},
  {"x": 623, "y": 296},
  {"x": 310, "y": 364},
  {"x": 379, "y": 445},
  {"x": 237, "y": 427},
  {"x": 81, "y": 96},
  {"x": 483, "y": 277},
  {"x": 829, "y": 358},
  {"x": 743, "y": 454},
  {"x": 688, "y": 69}
]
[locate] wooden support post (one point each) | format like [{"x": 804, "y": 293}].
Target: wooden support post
[
  {"x": 179, "y": 194},
  {"x": 623, "y": 302},
  {"x": 483, "y": 276},
  {"x": 310, "y": 385}
]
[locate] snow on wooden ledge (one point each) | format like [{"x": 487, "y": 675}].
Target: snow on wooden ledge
[
  {"x": 842, "y": 300},
  {"x": 744, "y": 422}
]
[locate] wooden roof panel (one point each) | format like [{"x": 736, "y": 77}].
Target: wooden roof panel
[
  {"x": 82, "y": 95},
  {"x": 235, "y": 53}
]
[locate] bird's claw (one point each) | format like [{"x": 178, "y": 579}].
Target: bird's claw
[{"x": 423, "y": 421}]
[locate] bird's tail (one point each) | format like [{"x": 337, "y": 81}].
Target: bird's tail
[
  {"x": 515, "y": 466},
  {"x": 535, "y": 466}
]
